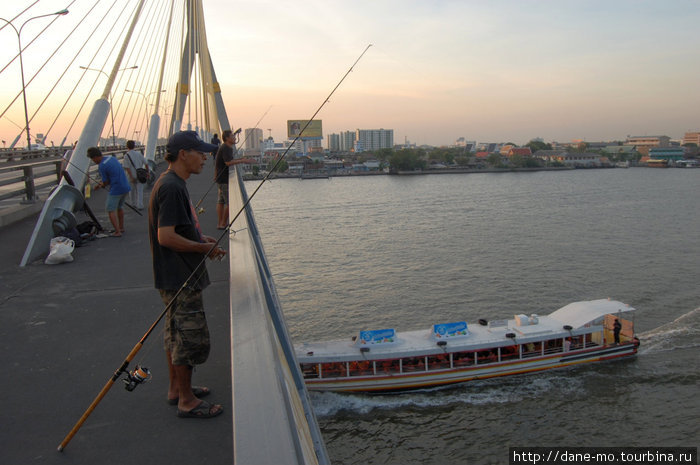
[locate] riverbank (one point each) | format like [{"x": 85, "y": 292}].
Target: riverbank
[{"x": 250, "y": 177}]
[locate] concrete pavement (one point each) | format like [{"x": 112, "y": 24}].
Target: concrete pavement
[{"x": 66, "y": 328}]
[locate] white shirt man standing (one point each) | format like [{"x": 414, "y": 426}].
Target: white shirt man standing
[{"x": 133, "y": 160}]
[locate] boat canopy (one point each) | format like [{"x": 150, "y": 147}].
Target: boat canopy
[{"x": 578, "y": 314}]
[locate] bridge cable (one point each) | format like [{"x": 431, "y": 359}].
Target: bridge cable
[
  {"x": 85, "y": 71},
  {"x": 32, "y": 41},
  {"x": 137, "y": 347},
  {"x": 35, "y": 74}
]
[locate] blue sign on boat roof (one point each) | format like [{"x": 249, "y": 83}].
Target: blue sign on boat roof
[
  {"x": 377, "y": 336},
  {"x": 445, "y": 331}
]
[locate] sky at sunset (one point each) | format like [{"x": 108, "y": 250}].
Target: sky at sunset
[{"x": 493, "y": 71}]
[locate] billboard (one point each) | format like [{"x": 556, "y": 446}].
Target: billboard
[{"x": 313, "y": 131}]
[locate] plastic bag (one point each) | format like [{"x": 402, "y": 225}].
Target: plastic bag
[{"x": 60, "y": 251}]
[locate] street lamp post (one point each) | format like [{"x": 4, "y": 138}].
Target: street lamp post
[
  {"x": 145, "y": 98},
  {"x": 21, "y": 66},
  {"x": 111, "y": 112}
]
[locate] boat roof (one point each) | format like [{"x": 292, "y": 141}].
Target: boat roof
[
  {"x": 583, "y": 317},
  {"x": 579, "y": 314}
]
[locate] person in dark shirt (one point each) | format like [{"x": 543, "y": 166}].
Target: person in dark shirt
[
  {"x": 617, "y": 327},
  {"x": 179, "y": 249},
  {"x": 215, "y": 141},
  {"x": 224, "y": 159}
]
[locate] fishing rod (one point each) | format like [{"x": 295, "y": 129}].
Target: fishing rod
[
  {"x": 138, "y": 373},
  {"x": 308, "y": 122},
  {"x": 216, "y": 180},
  {"x": 99, "y": 182}
]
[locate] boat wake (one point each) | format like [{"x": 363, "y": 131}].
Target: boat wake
[
  {"x": 497, "y": 391},
  {"x": 681, "y": 333}
]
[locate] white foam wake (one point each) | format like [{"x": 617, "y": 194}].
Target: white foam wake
[
  {"x": 681, "y": 333},
  {"x": 496, "y": 391}
]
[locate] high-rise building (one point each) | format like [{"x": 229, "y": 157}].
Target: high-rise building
[
  {"x": 347, "y": 141},
  {"x": 333, "y": 142},
  {"x": 253, "y": 139},
  {"x": 374, "y": 139}
]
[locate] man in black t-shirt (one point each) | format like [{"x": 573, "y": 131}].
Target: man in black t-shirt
[
  {"x": 224, "y": 159},
  {"x": 179, "y": 250}
]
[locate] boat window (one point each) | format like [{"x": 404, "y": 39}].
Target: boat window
[
  {"x": 510, "y": 352},
  {"x": 553, "y": 346},
  {"x": 413, "y": 364},
  {"x": 438, "y": 362},
  {"x": 361, "y": 368},
  {"x": 576, "y": 342},
  {"x": 388, "y": 366},
  {"x": 532, "y": 349},
  {"x": 333, "y": 370},
  {"x": 462, "y": 359},
  {"x": 310, "y": 370},
  {"x": 589, "y": 340},
  {"x": 487, "y": 356}
]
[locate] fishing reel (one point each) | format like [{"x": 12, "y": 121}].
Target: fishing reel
[
  {"x": 201, "y": 210},
  {"x": 135, "y": 377}
]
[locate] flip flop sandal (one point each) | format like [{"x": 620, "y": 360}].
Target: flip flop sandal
[
  {"x": 203, "y": 410},
  {"x": 198, "y": 391}
]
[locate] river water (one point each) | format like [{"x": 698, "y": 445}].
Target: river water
[{"x": 409, "y": 251}]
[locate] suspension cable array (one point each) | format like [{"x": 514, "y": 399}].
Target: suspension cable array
[{"x": 64, "y": 76}]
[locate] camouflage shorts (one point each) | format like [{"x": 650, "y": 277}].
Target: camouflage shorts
[{"x": 186, "y": 333}]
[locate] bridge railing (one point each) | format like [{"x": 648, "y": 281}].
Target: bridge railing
[
  {"x": 270, "y": 402},
  {"x": 23, "y": 181},
  {"x": 30, "y": 177}
]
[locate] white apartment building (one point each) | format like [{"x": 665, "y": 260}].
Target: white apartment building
[{"x": 373, "y": 139}]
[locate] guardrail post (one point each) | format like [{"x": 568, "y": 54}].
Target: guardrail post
[
  {"x": 59, "y": 173},
  {"x": 29, "y": 185}
]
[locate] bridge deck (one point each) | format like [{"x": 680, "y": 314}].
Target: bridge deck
[{"x": 66, "y": 329}]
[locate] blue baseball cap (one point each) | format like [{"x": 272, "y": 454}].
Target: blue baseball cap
[{"x": 188, "y": 140}]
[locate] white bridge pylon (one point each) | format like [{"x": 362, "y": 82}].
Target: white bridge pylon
[{"x": 58, "y": 211}]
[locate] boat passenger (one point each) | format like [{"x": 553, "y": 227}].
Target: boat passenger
[
  {"x": 617, "y": 327},
  {"x": 386, "y": 366}
]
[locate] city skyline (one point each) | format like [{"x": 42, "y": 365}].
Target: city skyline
[
  {"x": 502, "y": 71},
  {"x": 499, "y": 71}
]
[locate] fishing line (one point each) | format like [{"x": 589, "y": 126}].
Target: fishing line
[
  {"x": 216, "y": 180},
  {"x": 123, "y": 368}
]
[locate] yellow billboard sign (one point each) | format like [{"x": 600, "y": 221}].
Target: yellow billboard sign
[{"x": 311, "y": 131}]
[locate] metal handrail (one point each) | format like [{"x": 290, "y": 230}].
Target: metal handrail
[{"x": 32, "y": 181}]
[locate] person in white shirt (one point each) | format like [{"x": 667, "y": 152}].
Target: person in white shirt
[{"x": 133, "y": 160}]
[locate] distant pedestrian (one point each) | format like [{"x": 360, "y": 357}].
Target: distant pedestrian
[
  {"x": 617, "y": 327},
  {"x": 133, "y": 161},
  {"x": 113, "y": 176},
  {"x": 224, "y": 159},
  {"x": 178, "y": 248},
  {"x": 215, "y": 141}
]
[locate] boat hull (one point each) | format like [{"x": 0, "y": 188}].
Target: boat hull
[{"x": 433, "y": 378}]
